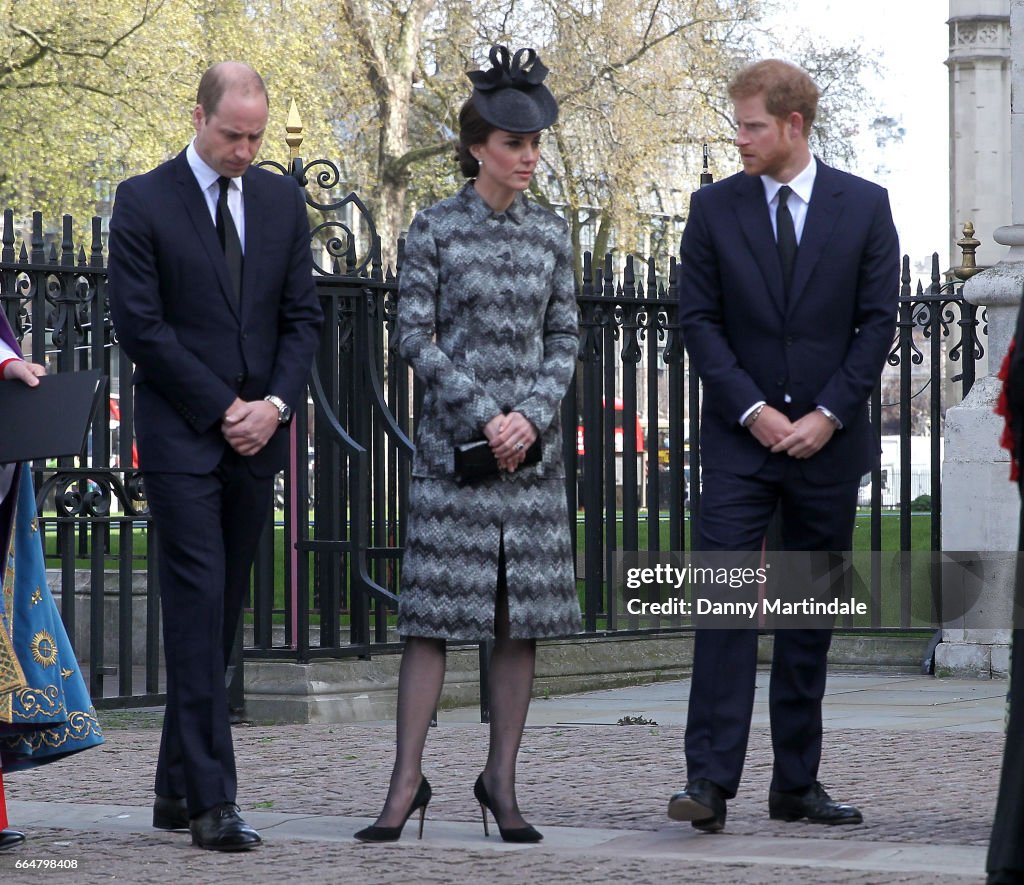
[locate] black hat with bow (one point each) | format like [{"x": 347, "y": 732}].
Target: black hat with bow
[{"x": 512, "y": 95}]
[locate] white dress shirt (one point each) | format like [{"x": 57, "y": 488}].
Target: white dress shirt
[
  {"x": 207, "y": 178},
  {"x": 802, "y": 185}
]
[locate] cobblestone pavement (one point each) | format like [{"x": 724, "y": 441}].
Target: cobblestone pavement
[{"x": 927, "y": 798}]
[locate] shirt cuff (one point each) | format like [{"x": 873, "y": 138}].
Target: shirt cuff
[
  {"x": 831, "y": 417},
  {"x": 750, "y": 411}
]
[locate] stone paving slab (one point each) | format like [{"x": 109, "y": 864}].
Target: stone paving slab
[
  {"x": 583, "y": 846},
  {"x": 599, "y": 792},
  {"x": 157, "y": 859}
]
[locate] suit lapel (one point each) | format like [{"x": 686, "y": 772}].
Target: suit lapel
[
  {"x": 755, "y": 222},
  {"x": 195, "y": 205},
  {"x": 252, "y": 206},
  {"x": 822, "y": 214}
]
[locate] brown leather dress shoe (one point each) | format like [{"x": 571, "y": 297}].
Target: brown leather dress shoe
[
  {"x": 10, "y": 838},
  {"x": 702, "y": 803},
  {"x": 170, "y": 813},
  {"x": 814, "y": 804},
  {"x": 221, "y": 828}
]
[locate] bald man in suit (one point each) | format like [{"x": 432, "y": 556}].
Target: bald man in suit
[{"x": 212, "y": 297}]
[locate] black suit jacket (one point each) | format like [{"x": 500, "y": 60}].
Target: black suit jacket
[
  {"x": 823, "y": 345},
  {"x": 175, "y": 315}
]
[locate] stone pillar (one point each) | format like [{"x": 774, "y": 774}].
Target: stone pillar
[
  {"x": 979, "y": 122},
  {"x": 980, "y": 504}
]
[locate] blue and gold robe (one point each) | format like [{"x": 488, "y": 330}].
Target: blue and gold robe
[{"x": 45, "y": 709}]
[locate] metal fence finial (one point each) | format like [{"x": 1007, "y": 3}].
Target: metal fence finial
[
  {"x": 293, "y": 126},
  {"x": 968, "y": 244}
]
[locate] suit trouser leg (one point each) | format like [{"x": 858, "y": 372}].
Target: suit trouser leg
[
  {"x": 814, "y": 517},
  {"x": 734, "y": 515},
  {"x": 208, "y": 527}
]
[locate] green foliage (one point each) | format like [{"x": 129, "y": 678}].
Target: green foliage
[
  {"x": 921, "y": 504},
  {"x": 94, "y": 92}
]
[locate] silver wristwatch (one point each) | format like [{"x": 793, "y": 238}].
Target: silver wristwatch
[{"x": 284, "y": 411}]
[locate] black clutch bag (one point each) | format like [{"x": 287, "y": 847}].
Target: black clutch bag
[{"x": 475, "y": 460}]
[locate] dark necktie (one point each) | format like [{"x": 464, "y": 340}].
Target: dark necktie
[
  {"x": 228, "y": 235},
  {"x": 785, "y": 234}
]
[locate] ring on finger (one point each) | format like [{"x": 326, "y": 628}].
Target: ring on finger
[{"x": 519, "y": 446}]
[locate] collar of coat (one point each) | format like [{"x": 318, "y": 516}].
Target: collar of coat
[{"x": 479, "y": 210}]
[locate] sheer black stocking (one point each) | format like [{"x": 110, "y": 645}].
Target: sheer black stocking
[
  {"x": 419, "y": 687},
  {"x": 511, "y": 682}
]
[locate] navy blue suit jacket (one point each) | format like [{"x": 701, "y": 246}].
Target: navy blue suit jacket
[
  {"x": 824, "y": 345},
  {"x": 174, "y": 312}
]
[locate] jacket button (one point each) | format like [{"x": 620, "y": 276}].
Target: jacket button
[{"x": 239, "y": 379}]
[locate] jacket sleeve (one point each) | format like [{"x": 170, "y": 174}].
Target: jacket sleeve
[
  {"x": 726, "y": 383},
  {"x": 877, "y": 294},
  {"x": 561, "y": 343},
  {"x": 299, "y": 314},
  {"x": 416, "y": 332},
  {"x": 136, "y": 309}
]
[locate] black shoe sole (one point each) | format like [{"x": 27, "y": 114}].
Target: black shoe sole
[
  {"x": 709, "y": 825},
  {"x": 170, "y": 826},
  {"x": 790, "y": 818},
  {"x": 243, "y": 847},
  {"x": 702, "y": 817}
]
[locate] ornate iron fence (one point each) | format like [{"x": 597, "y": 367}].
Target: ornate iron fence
[{"x": 328, "y": 570}]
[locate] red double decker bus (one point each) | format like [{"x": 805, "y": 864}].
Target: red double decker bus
[{"x": 619, "y": 436}]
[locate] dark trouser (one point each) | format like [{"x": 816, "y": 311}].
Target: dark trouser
[
  {"x": 734, "y": 515},
  {"x": 208, "y": 528},
  {"x": 1006, "y": 847}
]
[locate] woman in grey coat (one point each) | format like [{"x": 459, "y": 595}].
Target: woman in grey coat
[{"x": 487, "y": 318}]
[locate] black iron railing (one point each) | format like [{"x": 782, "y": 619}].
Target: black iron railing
[{"x": 329, "y": 568}]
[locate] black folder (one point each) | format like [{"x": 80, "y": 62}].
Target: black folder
[{"x": 50, "y": 420}]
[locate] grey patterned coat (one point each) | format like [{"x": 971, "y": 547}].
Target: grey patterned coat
[{"x": 487, "y": 318}]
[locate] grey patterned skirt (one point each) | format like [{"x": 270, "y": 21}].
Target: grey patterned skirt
[{"x": 450, "y": 566}]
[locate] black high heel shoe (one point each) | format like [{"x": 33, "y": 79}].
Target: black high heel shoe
[
  {"x": 392, "y": 834},
  {"x": 517, "y": 834}
]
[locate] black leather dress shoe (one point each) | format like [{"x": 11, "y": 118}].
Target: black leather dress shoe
[
  {"x": 221, "y": 828},
  {"x": 10, "y": 838},
  {"x": 702, "y": 803},
  {"x": 170, "y": 813},
  {"x": 814, "y": 804},
  {"x": 1005, "y": 877}
]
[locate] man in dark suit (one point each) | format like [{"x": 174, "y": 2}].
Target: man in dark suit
[
  {"x": 212, "y": 297},
  {"x": 788, "y": 306}
]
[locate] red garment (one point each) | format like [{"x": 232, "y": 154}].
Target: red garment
[
  {"x": 1003, "y": 408},
  {"x": 3, "y": 804}
]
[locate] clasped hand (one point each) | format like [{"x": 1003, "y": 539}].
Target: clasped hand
[
  {"x": 510, "y": 436},
  {"x": 799, "y": 439},
  {"x": 248, "y": 426}
]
